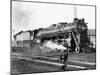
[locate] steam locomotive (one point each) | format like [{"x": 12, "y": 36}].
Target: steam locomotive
[{"x": 77, "y": 29}]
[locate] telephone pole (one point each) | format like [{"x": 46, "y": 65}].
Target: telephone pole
[{"x": 75, "y": 11}]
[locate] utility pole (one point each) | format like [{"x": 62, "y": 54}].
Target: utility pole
[
  {"x": 77, "y": 42},
  {"x": 75, "y": 11}
]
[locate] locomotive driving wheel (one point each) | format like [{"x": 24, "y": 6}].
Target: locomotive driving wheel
[{"x": 77, "y": 50}]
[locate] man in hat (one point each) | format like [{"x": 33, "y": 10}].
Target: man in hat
[{"x": 64, "y": 57}]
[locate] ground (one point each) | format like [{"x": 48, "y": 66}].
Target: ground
[{"x": 27, "y": 63}]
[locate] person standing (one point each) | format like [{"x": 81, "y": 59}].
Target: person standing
[
  {"x": 64, "y": 59},
  {"x": 68, "y": 41},
  {"x": 64, "y": 56}
]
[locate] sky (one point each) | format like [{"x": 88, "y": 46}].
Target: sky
[{"x": 31, "y": 15}]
